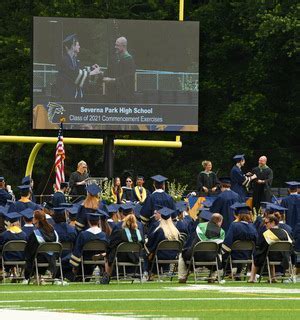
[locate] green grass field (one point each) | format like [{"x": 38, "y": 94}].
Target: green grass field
[{"x": 166, "y": 299}]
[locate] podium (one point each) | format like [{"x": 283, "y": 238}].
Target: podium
[{"x": 97, "y": 180}]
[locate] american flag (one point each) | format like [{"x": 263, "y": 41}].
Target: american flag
[{"x": 59, "y": 159}]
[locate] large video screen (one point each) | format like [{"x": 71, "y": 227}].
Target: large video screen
[{"x": 115, "y": 75}]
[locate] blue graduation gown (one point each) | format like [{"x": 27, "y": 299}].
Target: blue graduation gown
[
  {"x": 286, "y": 227},
  {"x": 13, "y": 233},
  {"x": 83, "y": 238},
  {"x": 296, "y": 236},
  {"x": 66, "y": 233},
  {"x": 154, "y": 238},
  {"x": 28, "y": 229},
  {"x": 239, "y": 231},
  {"x": 81, "y": 217},
  {"x": 19, "y": 206},
  {"x": 289, "y": 202},
  {"x": 222, "y": 205},
  {"x": 58, "y": 198},
  {"x": 238, "y": 180},
  {"x": 154, "y": 202},
  {"x": 4, "y": 196}
]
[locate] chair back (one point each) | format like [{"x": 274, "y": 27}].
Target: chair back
[
  {"x": 49, "y": 247},
  {"x": 14, "y": 245},
  {"x": 169, "y": 245},
  {"x": 95, "y": 245},
  {"x": 206, "y": 246},
  {"x": 129, "y": 247},
  {"x": 243, "y": 245},
  {"x": 281, "y": 246},
  {"x": 67, "y": 246}
]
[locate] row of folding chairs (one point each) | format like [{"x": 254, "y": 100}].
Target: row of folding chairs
[
  {"x": 54, "y": 248},
  {"x": 134, "y": 248}
]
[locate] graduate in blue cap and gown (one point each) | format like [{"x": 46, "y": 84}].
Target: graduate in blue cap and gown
[
  {"x": 4, "y": 194},
  {"x": 59, "y": 196},
  {"x": 165, "y": 230},
  {"x": 159, "y": 198},
  {"x": 292, "y": 203},
  {"x": 114, "y": 216},
  {"x": 28, "y": 225},
  {"x": 240, "y": 181},
  {"x": 13, "y": 232},
  {"x": 24, "y": 202},
  {"x": 94, "y": 232},
  {"x": 129, "y": 232},
  {"x": 209, "y": 229},
  {"x": 28, "y": 181},
  {"x": 279, "y": 212},
  {"x": 91, "y": 204},
  {"x": 224, "y": 201},
  {"x": 125, "y": 209},
  {"x": 180, "y": 220},
  {"x": 241, "y": 229}
]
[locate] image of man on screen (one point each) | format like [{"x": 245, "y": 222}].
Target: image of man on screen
[
  {"x": 72, "y": 76},
  {"x": 124, "y": 70}
]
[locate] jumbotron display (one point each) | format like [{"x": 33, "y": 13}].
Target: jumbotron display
[{"x": 115, "y": 75}]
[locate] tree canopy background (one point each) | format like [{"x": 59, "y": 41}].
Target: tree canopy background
[{"x": 247, "y": 89}]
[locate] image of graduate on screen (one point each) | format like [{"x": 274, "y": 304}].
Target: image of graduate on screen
[{"x": 115, "y": 75}]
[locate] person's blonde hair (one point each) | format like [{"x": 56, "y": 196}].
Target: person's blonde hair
[
  {"x": 130, "y": 222},
  {"x": 205, "y": 163},
  {"x": 91, "y": 202},
  {"x": 169, "y": 229},
  {"x": 80, "y": 163}
]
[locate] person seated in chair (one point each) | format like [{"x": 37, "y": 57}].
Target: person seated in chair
[
  {"x": 129, "y": 232},
  {"x": 94, "y": 232},
  {"x": 205, "y": 231},
  {"x": 271, "y": 235},
  {"x": 241, "y": 229}
]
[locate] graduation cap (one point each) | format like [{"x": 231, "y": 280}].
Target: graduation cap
[
  {"x": 93, "y": 189},
  {"x": 159, "y": 178},
  {"x": 72, "y": 210},
  {"x": 181, "y": 206},
  {"x": 276, "y": 208},
  {"x": 166, "y": 212},
  {"x": 240, "y": 208},
  {"x": 93, "y": 216},
  {"x": 103, "y": 214},
  {"x": 59, "y": 210},
  {"x": 66, "y": 205},
  {"x": 293, "y": 185},
  {"x": 24, "y": 187},
  {"x": 226, "y": 180},
  {"x": 112, "y": 208},
  {"x": 127, "y": 207},
  {"x": 207, "y": 203},
  {"x": 27, "y": 213},
  {"x": 26, "y": 180},
  {"x": 265, "y": 204},
  {"x": 64, "y": 185},
  {"x": 12, "y": 216},
  {"x": 238, "y": 157},
  {"x": 3, "y": 210},
  {"x": 205, "y": 215},
  {"x": 2, "y": 179},
  {"x": 70, "y": 39}
]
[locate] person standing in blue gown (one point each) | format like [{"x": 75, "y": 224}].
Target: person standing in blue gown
[
  {"x": 224, "y": 201},
  {"x": 28, "y": 226},
  {"x": 292, "y": 213},
  {"x": 158, "y": 199},
  {"x": 240, "y": 181}
]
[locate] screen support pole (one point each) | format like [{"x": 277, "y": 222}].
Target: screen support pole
[{"x": 108, "y": 155}]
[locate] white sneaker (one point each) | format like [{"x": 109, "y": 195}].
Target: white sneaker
[{"x": 25, "y": 281}]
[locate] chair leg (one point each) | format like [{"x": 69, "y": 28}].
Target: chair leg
[
  {"x": 157, "y": 268},
  {"x": 194, "y": 269},
  {"x": 37, "y": 271},
  {"x": 225, "y": 268},
  {"x": 231, "y": 268},
  {"x": 117, "y": 270},
  {"x": 269, "y": 270},
  {"x": 218, "y": 274},
  {"x": 82, "y": 270},
  {"x": 61, "y": 272},
  {"x": 141, "y": 270}
]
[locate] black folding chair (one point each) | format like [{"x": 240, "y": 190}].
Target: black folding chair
[
  {"x": 279, "y": 247},
  {"x": 211, "y": 249},
  {"x": 97, "y": 247},
  {"x": 240, "y": 245},
  {"x": 166, "y": 245},
  {"x": 52, "y": 249},
  {"x": 131, "y": 248},
  {"x": 13, "y": 246}
]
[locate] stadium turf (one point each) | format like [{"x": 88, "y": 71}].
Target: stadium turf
[{"x": 202, "y": 301}]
